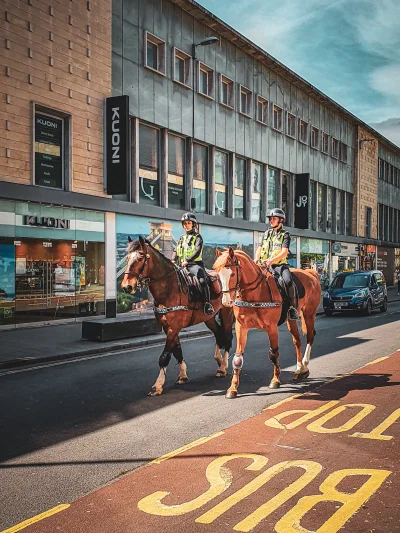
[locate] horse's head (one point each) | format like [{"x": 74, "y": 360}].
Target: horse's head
[
  {"x": 137, "y": 266},
  {"x": 227, "y": 268}
]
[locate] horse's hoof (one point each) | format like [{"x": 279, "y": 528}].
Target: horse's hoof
[
  {"x": 299, "y": 376},
  {"x": 230, "y": 394},
  {"x": 221, "y": 374},
  {"x": 181, "y": 381},
  {"x": 274, "y": 385},
  {"x": 154, "y": 392}
]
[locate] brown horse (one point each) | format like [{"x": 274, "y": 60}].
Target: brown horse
[
  {"x": 146, "y": 266},
  {"x": 258, "y": 304}
]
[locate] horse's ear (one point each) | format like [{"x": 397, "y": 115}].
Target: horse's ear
[
  {"x": 217, "y": 252},
  {"x": 129, "y": 238},
  {"x": 141, "y": 240},
  {"x": 231, "y": 252}
]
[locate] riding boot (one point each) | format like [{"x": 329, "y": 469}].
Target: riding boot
[
  {"x": 208, "y": 308},
  {"x": 293, "y": 314}
]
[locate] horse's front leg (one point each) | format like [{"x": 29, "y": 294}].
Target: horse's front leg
[
  {"x": 177, "y": 351},
  {"x": 274, "y": 356},
  {"x": 163, "y": 361},
  {"x": 237, "y": 362}
]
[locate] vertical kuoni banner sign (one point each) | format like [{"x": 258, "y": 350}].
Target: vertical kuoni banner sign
[
  {"x": 117, "y": 144},
  {"x": 302, "y": 201}
]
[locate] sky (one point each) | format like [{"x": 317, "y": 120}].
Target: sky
[{"x": 348, "y": 49}]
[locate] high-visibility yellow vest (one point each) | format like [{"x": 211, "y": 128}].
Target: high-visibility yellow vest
[
  {"x": 186, "y": 247},
  {"x": 271, "y": 246}
]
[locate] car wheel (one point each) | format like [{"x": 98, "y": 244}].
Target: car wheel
[
  {"x": 368, "y": 309},
  {"x": 327, "y": 312},
  {"x": 383, "y": 307}
]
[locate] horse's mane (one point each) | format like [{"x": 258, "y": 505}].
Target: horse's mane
[
  {"x": 224, "y": 257},
  {"x": 133, "y": 246}
]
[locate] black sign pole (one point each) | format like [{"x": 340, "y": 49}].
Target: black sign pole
[
  {"x": 117, "y": 144},
  {"x": 302, "y": 201}
]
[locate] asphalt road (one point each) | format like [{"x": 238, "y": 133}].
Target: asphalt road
[{"x": 68, "y": 428}]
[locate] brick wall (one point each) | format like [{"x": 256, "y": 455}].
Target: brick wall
[
  {"x": 55, "y": 53},
  {"x": 366, "y": 186}
]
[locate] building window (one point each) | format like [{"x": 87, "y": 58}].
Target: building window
[
  {"x": 349, "y": 213},
  {"x": 182, "y": 63},
  {"x": 256, "y": 192},
  {"x": 311, "y": 210},
  {"x": 330, "y": 210},
  {"x": 335, "y": 148},
  {"x": 239, "y": 187},
  {"x": 226, "y": 91},
  {"x": 176, "y": 172},
  {"x": 221, "y": 181},
  {"x": 273, "y": 188},
  {"x": 321, "y": 207},
  {"x": 303, "y": 131},
  {"x": 206, "y": 80},
  {"x": 277, "y": 118},
  {"x": 291, "y": 125},
  {"x": 380, "y": 169},
  {"x": 390, "y": 173},
  {"x": 368, "y": 222},
  {"x": 340, "y": 215},
  {"x": 391, "y": 227},
  {"x": 200, "y": 177},
  {"x": 245, "y": 101},
  {"x": 380, "y": 221},
  {"x": 314, "y": 137},
  {"x": 154, "y": 53},
  {"x": 262, "y": 110},
  {"x": 325, "y": 143},
  {"x": 149, "y": 186},
  {"x": 49, "y": 151},
  {"x": 343, "y": 153},
  {"x": 286, "y": 197}
]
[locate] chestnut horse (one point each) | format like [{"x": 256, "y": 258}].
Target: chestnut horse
[
  {"x": 146, "y": 266},
  {"x": 258, "y": 304}
]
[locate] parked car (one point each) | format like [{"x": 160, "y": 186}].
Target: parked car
[{"x": 362, "y": 290}]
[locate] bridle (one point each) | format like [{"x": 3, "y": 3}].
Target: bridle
[
  {"x": 247, "y": 287},
  {"x": 144, "y": 282}
]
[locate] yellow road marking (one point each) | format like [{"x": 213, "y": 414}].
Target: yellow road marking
[
  {"x": 37, "y": 518},
  {"x": 378, "y": 360},
  {"x": 184, "y": 448}
]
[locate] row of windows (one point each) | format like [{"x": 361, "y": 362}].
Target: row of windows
[
  {"x": 248, "y": 104},
  {"x": 265, "y": 187},
  {"x": 389, "y": 173},
  {"x": 388, "y": 223},
  {"x": 331, "y": 210}
]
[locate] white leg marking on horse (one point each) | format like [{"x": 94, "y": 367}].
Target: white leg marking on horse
[
  {"x": 307, "y": 354},
  {"x": 182, "y": 370},
  {"x": 300, "y": 367},
  {"x": 159, "y": 384}
]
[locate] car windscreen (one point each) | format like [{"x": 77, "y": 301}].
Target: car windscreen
[{"x": 353, "y": 281}]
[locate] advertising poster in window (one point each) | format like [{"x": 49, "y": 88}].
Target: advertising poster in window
[
  {"x": 163, "y": 235},
  {"x": 48, "y": 151},
  {"x": 7, "y": 282},
  {"x": 216, "y": 237},
  {"x": 385, "y": 263}
]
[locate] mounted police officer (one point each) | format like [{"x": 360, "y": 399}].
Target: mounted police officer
[
  {"x": 273, "y": 253},
  {"x": 188, "y": 254}
]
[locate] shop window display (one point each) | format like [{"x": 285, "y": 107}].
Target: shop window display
[{"x": 314, "y": 253}]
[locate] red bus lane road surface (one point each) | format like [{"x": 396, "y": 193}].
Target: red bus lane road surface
[{"x": 325, "y": 461}]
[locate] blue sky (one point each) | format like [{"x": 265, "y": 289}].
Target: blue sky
[{"x": 349, "y": 49}]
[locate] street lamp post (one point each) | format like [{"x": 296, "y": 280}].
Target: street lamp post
[{"x": 205, "y": 42}]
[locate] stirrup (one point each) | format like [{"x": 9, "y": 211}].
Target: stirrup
[
  {"x": 293, "y": 314},
  {"x": 208, "y": 309}
]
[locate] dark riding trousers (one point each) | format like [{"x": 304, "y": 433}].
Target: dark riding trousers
[{"x": 284, "y": 272}]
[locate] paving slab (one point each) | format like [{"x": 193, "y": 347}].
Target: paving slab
[{"x": 324, "y": 462}]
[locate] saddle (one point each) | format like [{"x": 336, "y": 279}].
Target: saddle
[
  {"x": 195, "y": 290},
  {"x": 299, "y": 290}
]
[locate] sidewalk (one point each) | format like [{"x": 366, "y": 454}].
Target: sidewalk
[{"x": 41, "y": 344}]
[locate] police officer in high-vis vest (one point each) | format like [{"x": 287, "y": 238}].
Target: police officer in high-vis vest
[
  {"x": 188, "y": 253},
  {"x": 273, "y": 253}
]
